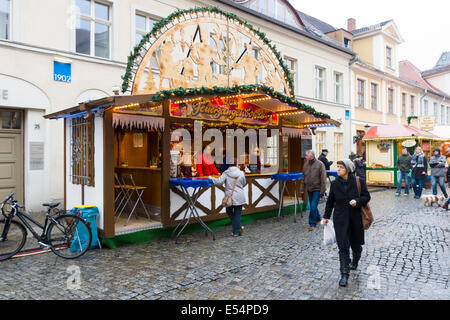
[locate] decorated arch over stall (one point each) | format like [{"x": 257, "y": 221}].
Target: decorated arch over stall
[{"x": 205, "y": 47}]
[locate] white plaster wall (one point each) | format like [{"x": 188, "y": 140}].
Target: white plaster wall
[
  {"x": 94, "y": 195},
  {"x": 37, "y": 182},
  {"x": 441, "y": 81}
]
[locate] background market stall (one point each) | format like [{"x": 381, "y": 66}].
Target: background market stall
[{"x": 384, "y": 145}]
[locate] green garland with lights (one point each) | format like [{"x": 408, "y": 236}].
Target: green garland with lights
[
  {"x": 189, "y": 92},
  {"x": 410, "y": 118},
  {"x": 164, "y": 21}
]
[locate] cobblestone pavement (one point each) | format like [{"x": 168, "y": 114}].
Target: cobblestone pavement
[{"x": 406, "y": 256}]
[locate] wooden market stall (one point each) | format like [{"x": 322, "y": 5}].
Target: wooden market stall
[
  {"x": 195, "y": 71},
  {"x": 384, "y": 145}
]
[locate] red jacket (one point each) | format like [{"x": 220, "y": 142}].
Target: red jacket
[{"x": 205, "y": 166}]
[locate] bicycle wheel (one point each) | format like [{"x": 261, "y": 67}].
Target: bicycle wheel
[
  {"x": 13, "y": 240},
  {"x": 69, "y": 237}
]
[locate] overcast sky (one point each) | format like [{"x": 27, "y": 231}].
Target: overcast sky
[{"x": 424, "y": 25}]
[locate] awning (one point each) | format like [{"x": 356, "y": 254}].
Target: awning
[
  {"x": 398, "y": 131},
  {"x": 294, "y": 114}
]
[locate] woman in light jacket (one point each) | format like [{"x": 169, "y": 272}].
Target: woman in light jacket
[{"x": 228, "y": 178}]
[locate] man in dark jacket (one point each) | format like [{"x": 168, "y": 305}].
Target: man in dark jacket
[
  {"x": 438, "y": 171},
  {"x": 419, "y": 164},
  {"x": 403, "y": 167},
  {"x": 314, "y": 184},
  {"x": 323, "y": 158},
  {"x": 360, "y": 166}
]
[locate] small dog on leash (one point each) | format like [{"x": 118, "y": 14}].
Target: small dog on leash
[{"x": 429, "y": 200}]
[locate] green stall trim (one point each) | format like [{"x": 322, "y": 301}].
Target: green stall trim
[{"x": 150, "y": 235}]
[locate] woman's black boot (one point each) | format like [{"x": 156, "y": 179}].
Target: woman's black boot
[
  {"x": 355, "y": 260},
  {"x": 345, "y": 270}
]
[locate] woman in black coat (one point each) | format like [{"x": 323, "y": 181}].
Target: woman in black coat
[{"x": 344, "y": 199}]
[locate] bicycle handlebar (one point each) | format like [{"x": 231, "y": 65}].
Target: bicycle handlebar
[{"x": 9, "y": 198}]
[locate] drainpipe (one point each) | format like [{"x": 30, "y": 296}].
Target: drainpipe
[
  {"x": 439, "y": 107},
  {"x": 351, "y": 100}
]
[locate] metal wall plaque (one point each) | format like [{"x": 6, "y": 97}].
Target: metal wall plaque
[{"x": 36, "y": 155}]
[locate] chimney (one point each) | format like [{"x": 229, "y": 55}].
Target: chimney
[{"x": 351, "y": 24}]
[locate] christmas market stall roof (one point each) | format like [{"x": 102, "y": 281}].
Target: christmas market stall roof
[
  {"x": 293, "y": 112},
  {"x": 398, "y": 131}
]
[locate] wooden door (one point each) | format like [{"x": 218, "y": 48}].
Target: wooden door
[{"x": 11, "y": 155}]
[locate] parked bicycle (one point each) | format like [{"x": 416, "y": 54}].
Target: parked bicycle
[{"x": 66, "y": 235}]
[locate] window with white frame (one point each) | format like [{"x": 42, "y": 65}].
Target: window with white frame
[
  {"x": 292, "y": 66},
  {"x": 144, "y": 24},
  {"x": 388, "y": 57},
  {"x": 320, "y": 141},
  {"x": 391, "y": 100},
  {"x": 412, "y": 106},
  {"x": 448, "y": 115},
  {"x": 5, "y": 19},
  {"x": 361, "y": 93},
  {"x": 425, "y": 108},
  {"x": 320, "y": 83},
  {"x": 435, "y": 112},
  {"x": 374, "y": 96},
  {"x": 93, "y": 33},
  {"x": 338, "y": 139},
  {"x": 403, "y": 104},
  {"x": 338, "y": 87}
]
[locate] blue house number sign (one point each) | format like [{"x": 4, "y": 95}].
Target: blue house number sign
[{"x": 62, "y": 71}]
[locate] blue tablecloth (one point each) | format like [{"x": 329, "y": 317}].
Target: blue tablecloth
[
  {"x": 287, "y": 176},
  {"x": 191, "y": 183},
  {"x": 332, "y": 173}
]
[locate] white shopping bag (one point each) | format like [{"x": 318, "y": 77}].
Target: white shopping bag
[{"x": 329, "y": 237}]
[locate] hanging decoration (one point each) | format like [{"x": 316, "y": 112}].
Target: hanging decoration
[
  {"x": 383, "y": 147},
  {"x": 130, "y": 121},
  {"x": 204, "y": 47}
]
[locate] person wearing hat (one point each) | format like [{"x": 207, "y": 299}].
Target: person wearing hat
[
  {"x": 344, "y": 202},
  {"x": 419, "y": 165},
  {"x": 234, "y": 180},
  {"x": 323, "y": 158},
  {"x": 438, "y": 163},
  {"x": 360, "y": 166}
]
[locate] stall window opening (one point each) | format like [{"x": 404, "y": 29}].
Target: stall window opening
[
  {"x": 82, "y": 143},
  {"x": 184, "y": 158}
]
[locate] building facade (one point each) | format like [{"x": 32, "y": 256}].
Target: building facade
[
  {"x": 384, "y": 90},
  {"x": 81, "y": 52}
]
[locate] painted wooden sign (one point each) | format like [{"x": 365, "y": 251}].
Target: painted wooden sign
[{"x": 219, "y": 109}]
